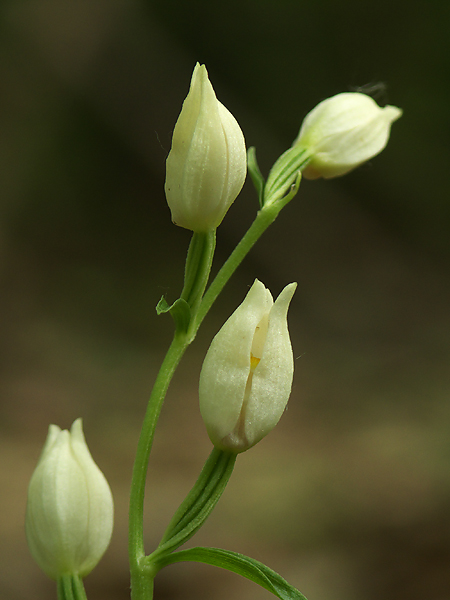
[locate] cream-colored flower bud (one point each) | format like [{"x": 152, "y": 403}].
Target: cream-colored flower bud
[
  {"x": 246, "y": 377},
  {"x": 69, "y": 517},
  {"x": 344, "y": 131},
  {"x": 207, "y": 164}
]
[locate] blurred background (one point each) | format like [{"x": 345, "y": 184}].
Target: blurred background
[{"x": 348, "y": 497}]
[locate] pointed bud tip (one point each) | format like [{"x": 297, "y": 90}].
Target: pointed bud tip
[{"x": 393, "y": 112}]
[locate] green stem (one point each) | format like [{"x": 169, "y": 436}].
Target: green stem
[
  {"x": 198, "y": 266},
  {"x": 136, "y": 513},
  {"x": 70, "y": 587},
  {"x": 265, "y": 217},
  {"x": 64, "y": 588},
  {"x": 78, "y": 587},
  {"x": 142, "y": 578}
]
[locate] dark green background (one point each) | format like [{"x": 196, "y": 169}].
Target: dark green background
[{"x": 348, "y": 497}]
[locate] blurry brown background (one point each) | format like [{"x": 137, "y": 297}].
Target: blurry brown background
[{"x": 348, "y": 497}]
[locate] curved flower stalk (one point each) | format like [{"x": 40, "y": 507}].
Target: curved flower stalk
[
  {"x": 207, "y": 164},
  {"x": 246, "y": 377},
  {"x": 69, "y": 517}
]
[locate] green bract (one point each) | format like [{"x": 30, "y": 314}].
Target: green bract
[
  {"x": 344, "y": 131},
  {"x": 246, "y": 377},
  {"x": 69, "y": 518},
  {"x": 207, "y": 164}
]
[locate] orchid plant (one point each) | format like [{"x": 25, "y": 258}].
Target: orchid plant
[{"x": 247, "y": 373}]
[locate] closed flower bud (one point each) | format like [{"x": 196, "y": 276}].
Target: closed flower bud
[
  {"x": 246, "y": 377},
  {"x": 69, "y": 517},
  {"x": 344, "y": 131},
  {"x": 207, "y": 164}
]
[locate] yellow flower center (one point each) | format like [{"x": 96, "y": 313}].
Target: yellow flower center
[{"x": 254, "y": 361}]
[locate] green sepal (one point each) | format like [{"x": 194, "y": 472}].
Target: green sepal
[
  {"x": 180, "y": 311},
  {"x": 293, "y": 189},
  {"x": 237, "y": 563},
  {"x": 284, "y": 173},
  {"x": 255, "y": 174}
]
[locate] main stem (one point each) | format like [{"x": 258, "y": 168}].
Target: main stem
[{"x": 136, "y": 514}]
